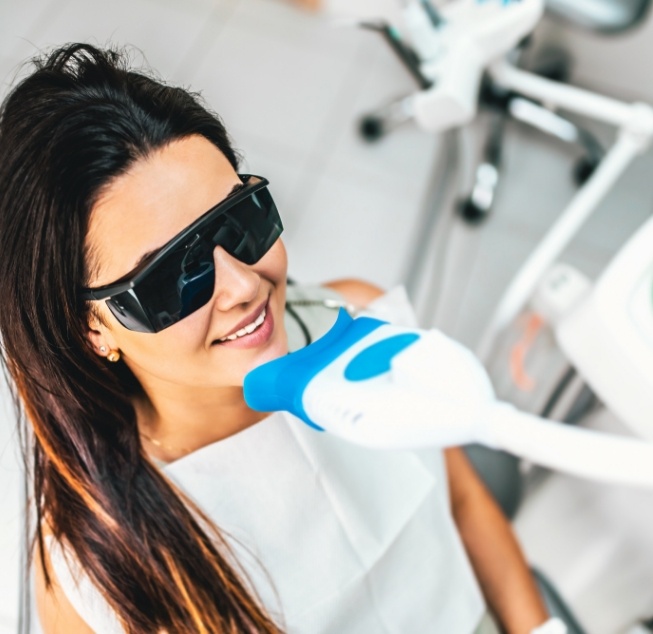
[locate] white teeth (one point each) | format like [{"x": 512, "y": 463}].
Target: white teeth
[{"x": 246, "y": 330}]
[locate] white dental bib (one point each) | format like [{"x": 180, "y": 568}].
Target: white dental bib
[{"x": 336, "y": 538}]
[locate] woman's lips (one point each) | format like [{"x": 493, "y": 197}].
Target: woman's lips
[
  {"x": 247, "y": 320},
  {"x": 260, "y": 336}
]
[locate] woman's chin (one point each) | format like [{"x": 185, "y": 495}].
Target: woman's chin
[
  {"x": 280, "y": 349},
  {"x": 270, "y": 353}
]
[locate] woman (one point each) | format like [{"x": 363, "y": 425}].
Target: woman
[{"x": 131, "y": 315}]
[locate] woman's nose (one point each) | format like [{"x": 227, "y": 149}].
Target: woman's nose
[{"x": 235, "y": 282}]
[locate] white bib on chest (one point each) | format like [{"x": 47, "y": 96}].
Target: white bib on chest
[
  {"x": 346, "y": 539},
  {"x": 336, "y": 538}
]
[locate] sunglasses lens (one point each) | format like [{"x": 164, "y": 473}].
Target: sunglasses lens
[
  {"x": 128, "y": 311},
  {"x": 195, "y": 289},
  {"x": 249, "y": 230},
  {"x": 168, "y": 292},
  {"x": 184, "y": 280}
]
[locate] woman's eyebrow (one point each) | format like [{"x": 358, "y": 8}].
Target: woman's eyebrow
[{"x": 236, "y": 188}]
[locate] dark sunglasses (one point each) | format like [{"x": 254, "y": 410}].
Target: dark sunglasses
[{"x": 179, "y": 278}]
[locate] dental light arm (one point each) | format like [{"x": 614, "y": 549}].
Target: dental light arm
[
  {"x": 385, "y": 387},
  {"x": 471, "y": 37},
  {"x": 456, "y": 44},
  {"x": 447, "y": 50}
]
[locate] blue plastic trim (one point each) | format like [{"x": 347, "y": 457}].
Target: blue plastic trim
[
  {"x": 376, "y": 359},
  {"x": 279, "y": 385}
]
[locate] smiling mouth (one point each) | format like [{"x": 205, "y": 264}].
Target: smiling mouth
[{"x": 246, "y": 330}]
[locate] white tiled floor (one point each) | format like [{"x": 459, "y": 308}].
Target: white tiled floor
[{"x": 291, "y": 89}]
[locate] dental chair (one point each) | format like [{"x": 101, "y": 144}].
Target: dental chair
[{"x": 609, "y": 17}]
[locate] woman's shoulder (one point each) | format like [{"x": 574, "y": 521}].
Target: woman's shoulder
[
  {"x": 393, "y": 306},
  {"x": 355, "y": 291},
  {"x": 313, "y": 309}
]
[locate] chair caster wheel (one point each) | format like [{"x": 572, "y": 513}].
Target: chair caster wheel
[
  {"x": 583, "y": 169},
  {"x": 472, "y": 213},
  {"x": 371, "y": 128}
]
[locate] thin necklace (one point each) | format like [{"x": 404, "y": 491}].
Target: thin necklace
[
  {"x": 161, "y": 445},
  {"x": 327, "y": 303}
]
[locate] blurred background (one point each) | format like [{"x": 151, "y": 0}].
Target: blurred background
[{"x": 291, "y": 89}]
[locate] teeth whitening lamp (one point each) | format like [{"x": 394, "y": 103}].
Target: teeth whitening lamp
[
  {"x": 389, "y": 387},
  {"x": 384, "y": 386}
]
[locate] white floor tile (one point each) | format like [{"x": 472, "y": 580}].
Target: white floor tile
[
  {"x": 303, "y": 30},
  {"x": 262, "y": 82},
  {"x": 218, "y": 17},
  {"x": 539, "y": 186},
  {"x": 291, "y": 182},
  {"x": 477, "y": 280},
  {"x": 537, "y": 178},
  {"x": 595, "y": 542},
  {"x": 21, "y": 24},
  {"x": 405, "y": 154},
  {"x": 388, "y": 10},
  {"x": 8, "y": 72},
  {"x": 162, "y": 31},
  {"x": 354, "y": 229},
  {"x": 471, "y": 301}
]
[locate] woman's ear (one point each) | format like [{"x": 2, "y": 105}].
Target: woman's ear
[{"x": 99, "y": 335}]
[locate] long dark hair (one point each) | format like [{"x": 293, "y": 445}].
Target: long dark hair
[{"x": 81, "y": 119}]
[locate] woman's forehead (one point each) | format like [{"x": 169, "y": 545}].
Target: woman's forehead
[{"x": 152, "y": 202}]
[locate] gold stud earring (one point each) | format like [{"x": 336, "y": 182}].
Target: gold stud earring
[{"x": 113, "y": 356}]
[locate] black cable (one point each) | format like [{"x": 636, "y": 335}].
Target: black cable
[
  {"x": 300, "y": 323},
  {"x": 433, "y": 14},
  {"x": 558, "y": 391},
  {"x": 406, "y": 54}
]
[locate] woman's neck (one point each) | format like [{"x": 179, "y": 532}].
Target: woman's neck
[{"x": 173, "y": 424}]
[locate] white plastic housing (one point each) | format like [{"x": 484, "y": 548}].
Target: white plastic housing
[
  {"x": 609, "y": 336},
  {"x": 435, "y": 393},
  {"x": 561, "y": 289},
  {"x": 474, "y": 35}
]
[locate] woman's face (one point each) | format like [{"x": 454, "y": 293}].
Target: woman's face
[{"x": 138, "y": 213}]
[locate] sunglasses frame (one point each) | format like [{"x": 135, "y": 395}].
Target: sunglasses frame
[{"x": 129, "y": 282}]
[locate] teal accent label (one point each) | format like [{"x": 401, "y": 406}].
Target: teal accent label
[{"x": 376, "y": 359}]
